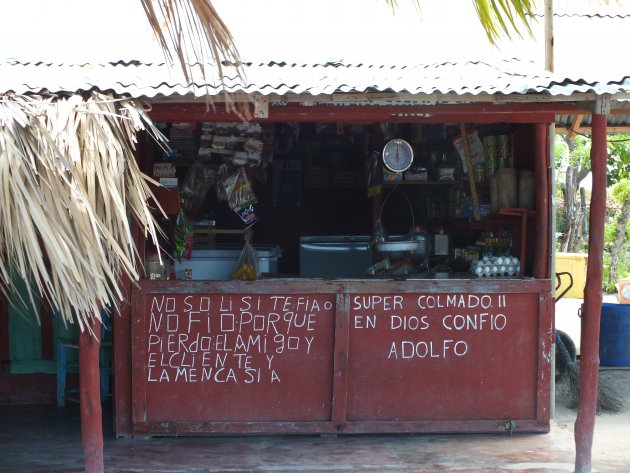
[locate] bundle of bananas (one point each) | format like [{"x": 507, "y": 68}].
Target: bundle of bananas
[{"x": 245, "y": 272}]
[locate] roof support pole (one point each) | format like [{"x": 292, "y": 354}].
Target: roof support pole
[
  {"x": 589, "y": 344},
  {"x": 90, "y": 398},
  {"x": 4, "y": 327},
  {"x": 549, "y": 35},
  {"x": 541, "y": 170}
]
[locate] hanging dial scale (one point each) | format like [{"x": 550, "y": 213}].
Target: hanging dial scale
[{"x": 397, "y": 155}]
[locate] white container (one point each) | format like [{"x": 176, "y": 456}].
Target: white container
[
  {"x": 526, "y": 190},
  {"x": 219, "y": 262},
  {"x": 154, "y": 270},
  {"x": 441, "y": 243},
  {"x": 507, "y": 188}
]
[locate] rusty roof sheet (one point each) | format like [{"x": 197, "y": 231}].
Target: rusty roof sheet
[{"x": 153, "y": 80}]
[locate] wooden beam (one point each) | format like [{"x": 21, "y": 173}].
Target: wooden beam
[
  {"x": 469, "y": 170},
  {"x": 441, "y": 113},
  {"x": 588, "y": 129},
  {"x": 575, "y": 126}
]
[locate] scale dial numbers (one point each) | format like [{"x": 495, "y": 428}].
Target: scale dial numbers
[{"x": 397, "y": 155}]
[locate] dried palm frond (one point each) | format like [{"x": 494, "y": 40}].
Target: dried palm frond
[
  {"x": 69, "y": 181},
  {"x": 197, "y": 36}
]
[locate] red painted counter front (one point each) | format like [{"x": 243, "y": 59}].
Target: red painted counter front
[{"x": 283, "y": 356}]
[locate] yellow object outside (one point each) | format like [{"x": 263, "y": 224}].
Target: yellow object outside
[
  {"x": 574, "y": 263},
  {"x": 246, "y": 272}
]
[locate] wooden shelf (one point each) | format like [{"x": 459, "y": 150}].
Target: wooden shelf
[
  {"x": 419, "y": 183},
  {"x": 204, "y": 236},
  {"x": 482, "y": 186}
]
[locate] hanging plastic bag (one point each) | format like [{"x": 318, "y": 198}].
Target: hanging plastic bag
[
  {"x": 374, "y": 180},
  {"x": 247, "y": 265},
  {"x": 183, "y": 237},
  {"x": 241, "y": 197}
]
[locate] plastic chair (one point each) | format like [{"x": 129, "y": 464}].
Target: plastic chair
[{"x": 65, "y": 346}]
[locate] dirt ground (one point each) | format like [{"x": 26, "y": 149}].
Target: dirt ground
[
  {"x": 611, "y": 442},
  {"x": 32, "y": 437}
]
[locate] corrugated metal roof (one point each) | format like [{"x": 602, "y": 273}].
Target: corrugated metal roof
[
  {"x": 620, "y": 117},
  {"x": 153, "y": 80},
  {"x": 590, "y": 8}
]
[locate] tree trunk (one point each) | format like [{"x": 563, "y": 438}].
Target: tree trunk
[
  {"x": 620, "y": 237},
  {"x": 573, "y": 210},
  {"x": 569, "y": 208},
  {"x": 576, "y": 231},
  {"x": 584, "y": 210}
]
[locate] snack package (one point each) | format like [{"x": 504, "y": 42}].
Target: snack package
[
  {"x": 183, "y": 236},
  {"x": 198, "y": 180},
  {"x": 240, "y": 197},
  {"x": 247, "y": 265},
  {"x": 477, "y": 154}
]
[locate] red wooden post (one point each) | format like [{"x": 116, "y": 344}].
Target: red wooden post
[
  {"x": 91, "y": 415},
  {"x": 46, "y": 329},
  {"x": 541, "y": 168},
  {"x": 589, "y": 345},
  {"x": 4, "y": 327}
]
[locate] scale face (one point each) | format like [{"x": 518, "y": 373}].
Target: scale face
[{"x": 397, "y": 155}]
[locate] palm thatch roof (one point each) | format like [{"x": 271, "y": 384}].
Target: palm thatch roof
[{"x": 69, "y": 183}]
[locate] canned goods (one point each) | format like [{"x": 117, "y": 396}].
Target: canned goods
[
  {"x": 479, "y": 171},
  {"x": 503, "y": 151},
  {"x": 489, "y": 142},
  {"x": 490, "y": 150},
  {"x": 491, "y": 165}
]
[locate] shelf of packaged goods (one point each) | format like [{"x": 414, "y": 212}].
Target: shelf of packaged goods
[
  {"x": 206, "y": 236},
  {"x": 482, "y": 186}
]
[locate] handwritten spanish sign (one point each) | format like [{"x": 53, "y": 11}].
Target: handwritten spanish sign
[
  {"x": 442, "y": 355},
  {"x": 247, "y": 356}
]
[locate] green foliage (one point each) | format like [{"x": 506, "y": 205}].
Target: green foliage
[
  {"x": 576, "y": 153},
  {"x": 623, "y": 271},
  {"x": 581, "y": 153},
  {"x": 561, "y": 152},
  {"x": 610, "y": 231},
  {"x": 610, "y": 234},
  {"x": 498, "y": 17},
  {"x": 621, "y": 191},
  {"x": 618, "y": 158}
]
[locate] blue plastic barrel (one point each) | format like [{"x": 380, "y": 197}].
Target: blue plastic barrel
[{"x": 614, "y": 335}]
